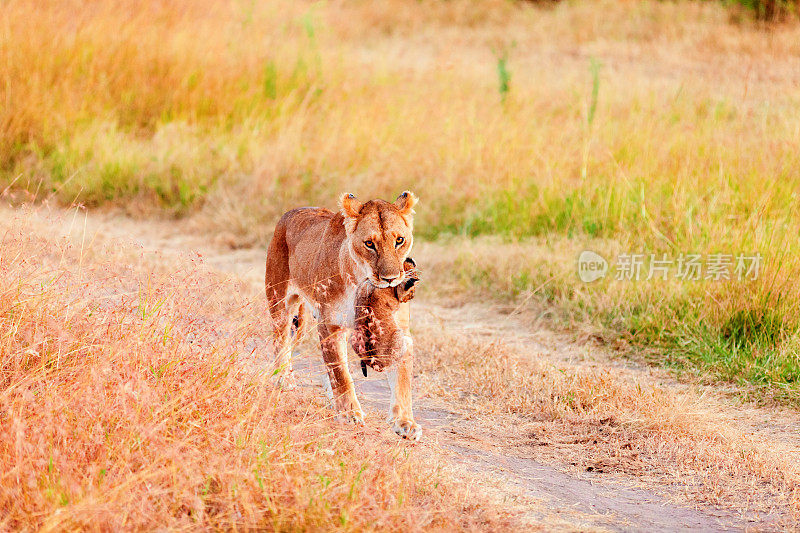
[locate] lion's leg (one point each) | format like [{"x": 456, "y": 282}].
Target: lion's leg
[
  {"x": 333, "y": 341},
  {"x": 276, "y": 282},
  {"x": 401, "y": 414},
  {"x": 283, "y": 341},
  {"x": 290, "y": 338}
]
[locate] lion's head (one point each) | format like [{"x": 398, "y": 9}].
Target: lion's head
[
  {"x": 380, "y": 236},
  {"x": 378, "y": 339}
]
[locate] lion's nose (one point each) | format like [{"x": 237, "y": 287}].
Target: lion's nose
[{"x": 390, "y": 279}]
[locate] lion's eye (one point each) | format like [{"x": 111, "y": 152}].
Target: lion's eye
[
  {"x": 399, "y": 242},
  {"x": 369, "y": 244}
]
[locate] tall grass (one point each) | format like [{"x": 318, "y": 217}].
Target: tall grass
[
  {"x": 136, "y": 396},
  {"x": 124, "y": 99},
  {"x": 744, "y": 332},
  {"x": 234, "y": 112}
]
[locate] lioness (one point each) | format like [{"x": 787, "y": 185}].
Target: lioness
[{"x": 325, "y": 260}]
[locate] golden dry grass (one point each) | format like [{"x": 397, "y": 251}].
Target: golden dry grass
[
  {"x": 132, "y": 398},
  {"x": 515, "y": 397},
  {"x": 612, "y": 420},
  {"x": 235, "y": 112},
  {"x": 232, "y": 112}
]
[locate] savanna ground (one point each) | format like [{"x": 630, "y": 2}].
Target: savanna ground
[{"x": 530, "y": 134}]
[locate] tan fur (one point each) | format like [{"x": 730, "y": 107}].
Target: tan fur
[{"x": 320, "y": 259}]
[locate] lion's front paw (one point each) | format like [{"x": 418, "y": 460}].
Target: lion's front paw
[
  {"x": 406, "y": 428},
  {"x": 350, "y": 410},
  {"x": 353, "y": 417},
  {"x": 357, "y": 418}
]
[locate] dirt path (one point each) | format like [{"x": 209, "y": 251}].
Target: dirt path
[
  {"x": 572, "y": 499},
  {"x": 580, "y": 502}
]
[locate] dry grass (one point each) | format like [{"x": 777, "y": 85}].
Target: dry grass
[
  {"x": 600, "y": 418},
  {"x": 613, "y": 421},
  {"x": 130, "y": 400},
  {"x": 742, "y": 332},
  {"x": 235, "y": 112}
]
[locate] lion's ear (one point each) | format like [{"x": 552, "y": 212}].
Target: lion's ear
[
  {"x": 405, "y": 203},
  {"x": 350, "y": 205},
  {"x": 350, "y": 209}
]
